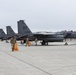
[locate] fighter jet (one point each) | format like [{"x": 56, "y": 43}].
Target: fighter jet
[
  {"x": 67, "y": 34},
  {"x": 73, "y": 35},
  {"x": 2, "y": 34},
  {"x": 10, "y": 33},
  {"x": 25, "y": 32}
]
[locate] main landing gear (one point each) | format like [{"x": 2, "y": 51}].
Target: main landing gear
[{"x": 44, "y": 43}]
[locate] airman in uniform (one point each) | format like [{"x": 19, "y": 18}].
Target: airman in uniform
[{"x": 13, "y": 41}]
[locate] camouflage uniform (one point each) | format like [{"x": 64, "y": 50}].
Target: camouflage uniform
[
  {"x": 27, "y": 39},
  {"x": 13, "y": 41},
  {"x": 36, "y": 41}
]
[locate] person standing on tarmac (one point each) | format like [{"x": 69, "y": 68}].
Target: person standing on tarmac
[
  {"x": 13, "y": 41},
  {"x": 36, "y": 41},
  {"x": 27, "y": 40}
]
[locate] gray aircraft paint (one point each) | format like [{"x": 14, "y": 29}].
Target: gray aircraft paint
[
  {"x": 23, "y": 28},
  {"x": 10, "y": 31},
  {"x": 2, "y": 33}
]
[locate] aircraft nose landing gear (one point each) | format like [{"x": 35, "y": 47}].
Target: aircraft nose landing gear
[{"x": 66, "y": 43}]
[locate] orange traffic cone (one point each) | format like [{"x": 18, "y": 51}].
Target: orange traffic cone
[
  {"x": 16, "y": 47},
  {"x": 29, "y": 43}
]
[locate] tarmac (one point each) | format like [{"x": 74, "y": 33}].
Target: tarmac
[{"x": 55, "y": 59}]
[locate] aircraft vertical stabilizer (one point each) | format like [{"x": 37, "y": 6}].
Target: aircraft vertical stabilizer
[
  {"x": 2, "y": 33},
  {"x": 23, "y": 29},
  {"x": 10, "y": 31}
]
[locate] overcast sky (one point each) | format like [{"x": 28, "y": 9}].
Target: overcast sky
[{"x": 50, "y": 15}]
